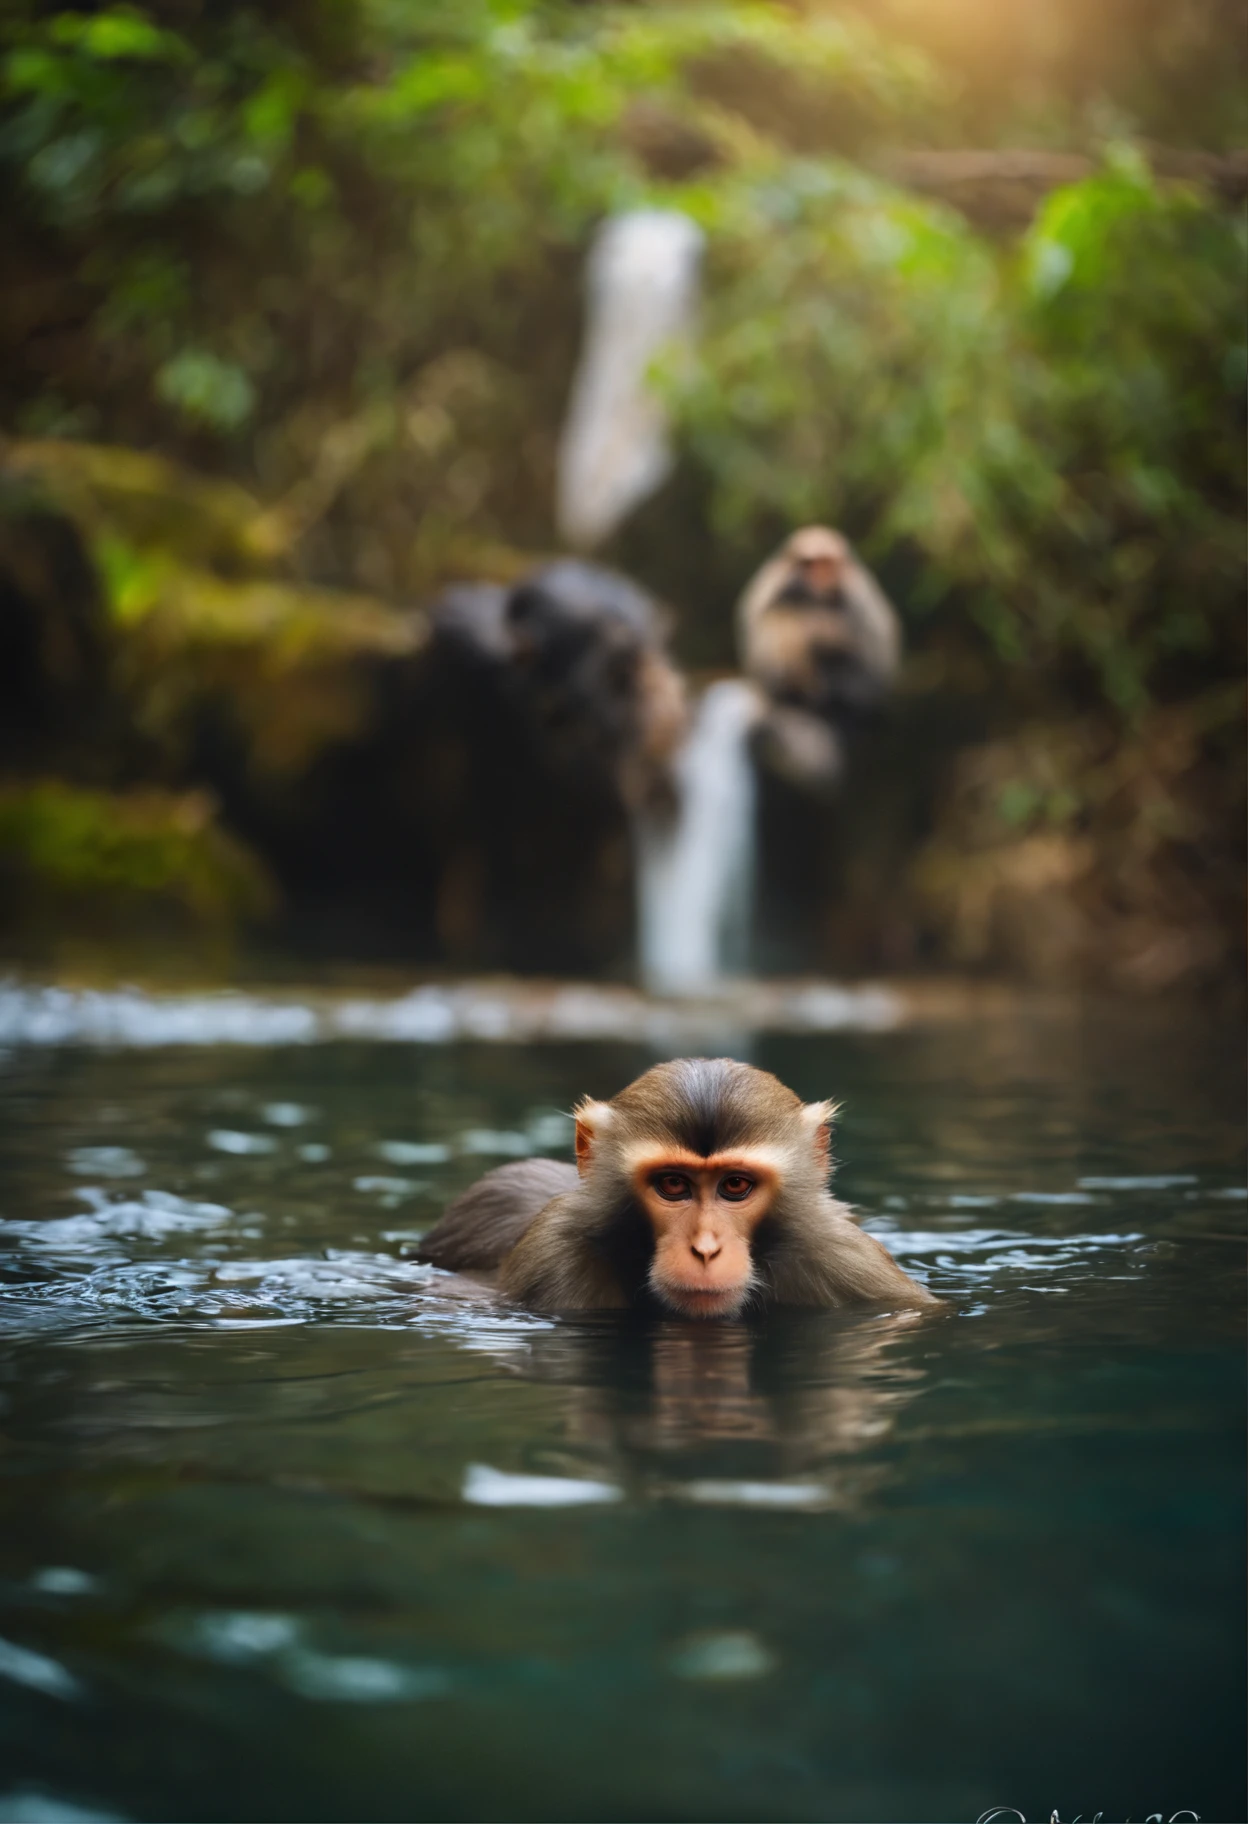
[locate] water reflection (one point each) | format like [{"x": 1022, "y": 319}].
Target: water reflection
[{"x": 717, "y": 1413}]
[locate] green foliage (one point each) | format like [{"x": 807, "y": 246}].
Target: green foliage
[
  {"x": 333, "y": 248},
  {"x": 207, "y": 389},
  {"x": 1053, "y": 434},
  {"x": 276, "y": 220},
  {"x": 191, "y": 574},
  {"x": 60, "y": 844}
]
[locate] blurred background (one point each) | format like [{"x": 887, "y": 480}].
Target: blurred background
[{"x": 294, "y": 300}]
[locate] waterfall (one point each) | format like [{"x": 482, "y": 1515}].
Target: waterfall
[
  {"x": 695, "y": 871},
  {"x": 641, "y": 296}
]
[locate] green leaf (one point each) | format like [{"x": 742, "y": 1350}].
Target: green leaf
[{"x": 206, "y": 389}]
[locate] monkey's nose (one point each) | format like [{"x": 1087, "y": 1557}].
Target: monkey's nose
[{"x": 705, "y": 1246}]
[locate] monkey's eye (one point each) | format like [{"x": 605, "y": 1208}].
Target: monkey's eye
[
  {"x": 673, "y": 1186},
  {"x": 736, "y": 1187}
]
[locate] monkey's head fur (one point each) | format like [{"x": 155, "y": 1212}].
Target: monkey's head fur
[{"x": 690, "y": 1179}]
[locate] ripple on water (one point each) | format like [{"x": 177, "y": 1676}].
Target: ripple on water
[
  {"x": 339, "y": 1286},
  {"x": 32, "y": 1805},
  {"x": 486, "y": 1487},
  {"x": 721, "y": 1657},
  {"x": 976, "y": 1257},
  {"x": 109, "y": 1265},
  {"x": 242, "y": 1146},
  {"x": 105, "y": 1162},
  {"x": 37, "y": 1672},
  {"x": 274, "y": 1644},
  {"x": 412, "y": 1152},
  {"x": 288, "y": 1114},
  {"x": 346, "y": 1678},
  {"x": 153, "y": 1216},
  {"x": 64, "y": 1580}
]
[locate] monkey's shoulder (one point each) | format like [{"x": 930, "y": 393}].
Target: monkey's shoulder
[
  {"x": 485, "y": 1222},
  {"x": 828, "y": 1259},
  {"x": 565, "y": 1260}
]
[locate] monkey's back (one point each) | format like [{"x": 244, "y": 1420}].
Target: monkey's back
[{"x": 487, "y": 1220}]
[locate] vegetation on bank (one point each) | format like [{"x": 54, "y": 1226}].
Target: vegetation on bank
[{"x": 321, "y": 262}]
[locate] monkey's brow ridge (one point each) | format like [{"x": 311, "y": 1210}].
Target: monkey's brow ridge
[{"x": 708, "y": 1106}]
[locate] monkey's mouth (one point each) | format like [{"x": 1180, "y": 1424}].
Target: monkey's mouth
[{"x": 703, "y": 1301}]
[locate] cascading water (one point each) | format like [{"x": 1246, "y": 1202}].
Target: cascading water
[
  {"x": 695, "y": 870},
  {"x": 641, "y": 299}
]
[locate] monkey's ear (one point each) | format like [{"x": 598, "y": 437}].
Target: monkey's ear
[
  {"x": 817, "y": 1118},
  {"x": 592, "y": 1121}
]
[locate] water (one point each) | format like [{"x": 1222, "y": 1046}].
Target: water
[
  {"x": 695, "y": 874},
  {"x": 641, "y": 300},
  {"x": 295, "y": 1528}
]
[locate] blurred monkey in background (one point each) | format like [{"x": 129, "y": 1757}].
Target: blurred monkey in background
[
  {"x": 823, "y": 642},
  {"x": 579, "y": 654},
  {"x": 589, "y": 650},
  {"x": 550, "y": 713}
]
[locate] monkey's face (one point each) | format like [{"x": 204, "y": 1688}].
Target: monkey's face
[
  {"x": 708, "y": 1154},
  {"x": 821, "y": 576},
  {"x": 817, "y": 562},
  {"x": 703, "y": 1214}
]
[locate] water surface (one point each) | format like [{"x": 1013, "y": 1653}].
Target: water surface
[{"x": 294, "y": 1529}]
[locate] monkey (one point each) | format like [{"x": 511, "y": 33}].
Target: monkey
[
  {"x": 699, "y": 1191},
  {"x": 816, "y": 629},
  {"x": 580, "y": 655},
  {"x": 823, "y": 642},
  {"x": 543, "y": 721}
]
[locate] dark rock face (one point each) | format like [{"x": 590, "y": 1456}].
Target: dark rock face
[{"x": 53, "y": 635}]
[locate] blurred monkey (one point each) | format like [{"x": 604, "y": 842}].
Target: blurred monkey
[
  {"x": 549, "y": 714},
  {"x": 823, "y": 642},
  {"x": 580, "y": 655},
  {"x": 590, "y": 648}
]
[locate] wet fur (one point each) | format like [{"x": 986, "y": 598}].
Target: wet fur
[{"x": 487, "y": 1220}]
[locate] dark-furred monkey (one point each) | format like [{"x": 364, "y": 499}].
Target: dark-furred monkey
[
  {"x": 700, "y": 1190},
  {"x": 580, "y": 655},
  {"x": 548, "y": 717}
]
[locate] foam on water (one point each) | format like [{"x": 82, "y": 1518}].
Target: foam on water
[
  {"x": 486, "y": 1487},
  {"x": 274, "y": 1643},
  {"x": 153, "y": 1216},
  {"x": 516, "y": 1013}
]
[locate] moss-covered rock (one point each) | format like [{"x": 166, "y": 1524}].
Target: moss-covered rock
[
  {"x": 200, "y": 606},
  {"x": 132, "y": 866}
]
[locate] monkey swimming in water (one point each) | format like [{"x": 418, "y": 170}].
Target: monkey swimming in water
[
  {"x": 700, "y": 1191},
  {"x": 823, "y": 642}
]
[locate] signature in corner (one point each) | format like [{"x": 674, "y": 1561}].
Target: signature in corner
[{"x": 1000, "y": 1812}]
